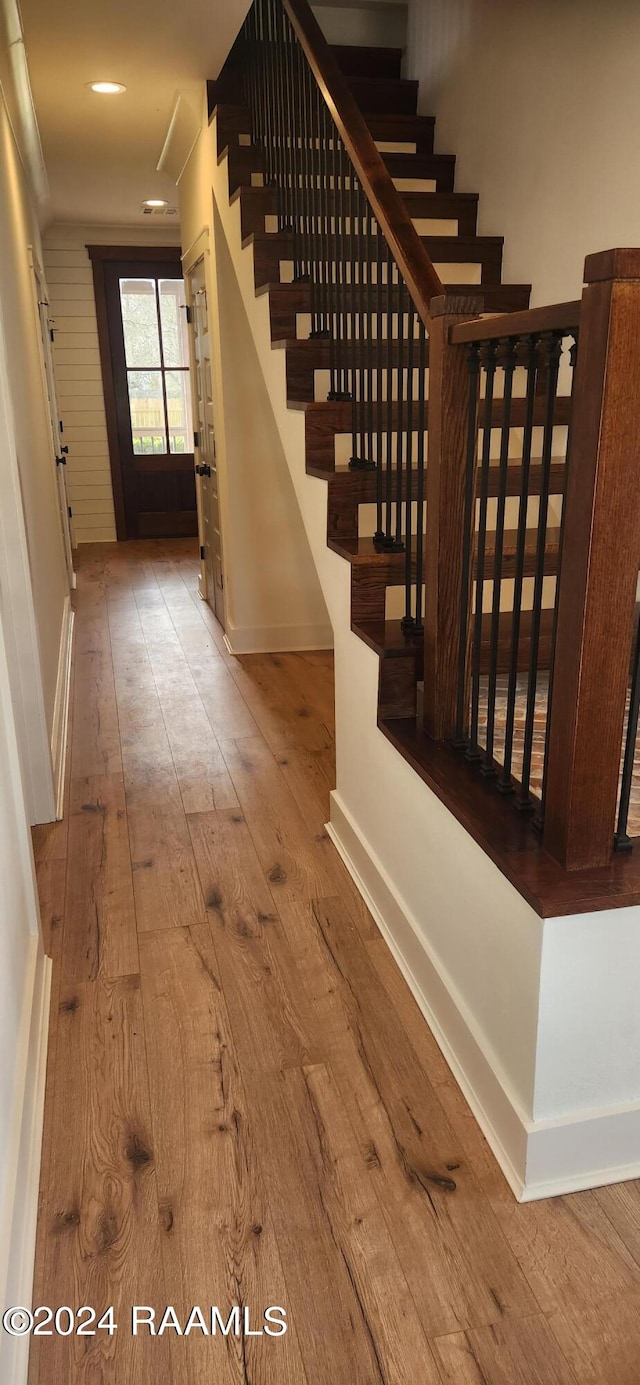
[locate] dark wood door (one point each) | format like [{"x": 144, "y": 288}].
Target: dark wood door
[{"x": 149, "y": 349}]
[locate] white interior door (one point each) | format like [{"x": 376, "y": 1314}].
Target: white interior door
[
  {"x": 206, "y": 461},
  {"x": 58, "y": 445}
]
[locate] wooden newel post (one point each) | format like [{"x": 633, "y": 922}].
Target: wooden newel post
[
  {"x": 600, "y": 561},
  {"x": 449, "y": 393}
]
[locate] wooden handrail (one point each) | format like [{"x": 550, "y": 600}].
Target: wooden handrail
[
  {"x": 560, "y": 316},
  {"x": 409, "y": 253}
]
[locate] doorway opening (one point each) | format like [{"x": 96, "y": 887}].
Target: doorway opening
[{"x": 144, "y": 349}]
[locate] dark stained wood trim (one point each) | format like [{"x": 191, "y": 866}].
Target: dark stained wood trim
[
  {"x": 445, "y": 539},
  {"x": 108, "y": 385},
  {"x": 597, "y": 593},
  {"x": 100, "y": 256},
  {"x": 558, "y": 315},
  {"x": 412, "y": 258},
  {"x": 508, "y": 837},
  {"x": 134, "y": 252}
]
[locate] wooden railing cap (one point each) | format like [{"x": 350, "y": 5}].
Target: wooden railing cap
[{"x": 621, "y": 263}]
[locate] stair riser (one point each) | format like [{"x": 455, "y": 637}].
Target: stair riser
[
  {"x": 256, "y": 204},
  {"x": 270, "y": 251},
  {"x": 385, "y": 96},
  {"x": 371, "y": 577},
  {"x": 302, "y": 366},
  {"x": 398, "y": 128},
  {"x": 325, "y": 421},
  {"x": 247, "y": 160},
  {"x": 287, "y": 301},
  {"x": 368, "y": 62}
]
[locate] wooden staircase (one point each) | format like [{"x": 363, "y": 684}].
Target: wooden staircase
[
  {"x": 405, "y": 140},
  {"x": 406, "y": 353}
]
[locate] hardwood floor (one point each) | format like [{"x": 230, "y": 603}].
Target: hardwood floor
[{"x": 244, "y": 1104}]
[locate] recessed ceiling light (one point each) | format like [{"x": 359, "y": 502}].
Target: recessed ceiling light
[
  {"x": 155, "y": 202},
  {"x": 107, "y": 88}
]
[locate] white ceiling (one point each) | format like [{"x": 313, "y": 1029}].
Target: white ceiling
[{"x": 101, "y": 152}]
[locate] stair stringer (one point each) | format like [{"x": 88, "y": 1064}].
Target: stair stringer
[{"x": 469, "y": 945}]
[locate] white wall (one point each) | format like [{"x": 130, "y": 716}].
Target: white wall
[
  {"x": 273, "y": 596},
  {"x": 24, "y": 970},
  {"x": 538, "y": 100},
  {"x": 77, "y": 365},
  {"x": 19, "y": 231},
  {"x": 374, "y": 22}
]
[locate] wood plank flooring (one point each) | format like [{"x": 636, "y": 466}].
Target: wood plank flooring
[{"x": 244, "y": 1104}]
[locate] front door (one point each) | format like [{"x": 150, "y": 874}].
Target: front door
[
  {"x": 149, "y": 349},
  {"x": 206, "y": 454}
]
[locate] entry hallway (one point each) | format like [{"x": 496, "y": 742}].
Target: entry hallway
[{"x": 244, "y": 1104}]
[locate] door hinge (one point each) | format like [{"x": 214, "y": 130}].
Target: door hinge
[
  {"x": 52, "y": 335},
  {"x": 188, "y": 312},
  {"x": 196, "y": 439},
  {"x": 70, "y": 512},
  {"x": 61, "y": 425},
  {"x": 202, "y": 552},
  {"x": 61, "y": 461}
]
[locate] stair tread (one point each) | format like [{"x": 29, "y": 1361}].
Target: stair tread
[
  {"x": 465, "y": 242},
  {"x": 427, "y": 199},
  {"x": 388, "y": 639},
  {"x": 364, "y": 550}
]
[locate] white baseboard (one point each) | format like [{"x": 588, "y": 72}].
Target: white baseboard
[
  {"x": 277, "y": 639},
  {"x": 540, "y": 1159},
  {"x": 60, "y": 724},
  {"x": 18, "y": 1234}
]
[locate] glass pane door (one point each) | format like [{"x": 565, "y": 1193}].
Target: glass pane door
[{"x": 157, "y": 364}]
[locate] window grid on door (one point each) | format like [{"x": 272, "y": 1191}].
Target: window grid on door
[{"x": 157, "y": 362}]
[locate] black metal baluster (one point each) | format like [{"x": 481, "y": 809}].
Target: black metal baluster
[
  {"x": 336, "y": 258},
  {"x": 397, "y": 348},
  {"x": 552, "y": 345},
  {"x": 280, "y": 115},
  {"x": 308, "y": 194},
  {"x": 319, "y": 231},
  {"x": 372, "y": 238},
  {"x": 488, "y": 361},
  {"x": 419, "y": 421},
  {"x": 358, "y": 251},
  {"x": 364, "y": 460},
  {"x": 409, "y": 621},
  {"x": 462, "y": 706},
  {"x": 351, "y": 300},
  {"x": 507, "y": 359},
  {"x": 303, "y": 175},
  {"x": 261, "y": 77},
  {"x": 538, "y": 820},
  {"x": 387, "y": 538},
  {"x": 325, "y": 161},
  {"x": 272, "y": 68},
  {"x": 622, "y": 840},
  {"x": 287, "y": 128},
  {"x": 379, "y": 534},
  {"x": 505, "y": 782},
  {"x": 347, "y": 259}
]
